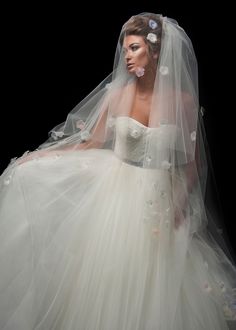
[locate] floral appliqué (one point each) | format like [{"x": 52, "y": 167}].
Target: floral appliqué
[
  {"x": 139, "y": 72},
  {"x": 152, "y": 37},
  {"x": 193, "y": 136},
  {"x": 153, "y": 24},
  {"x": 85, "y": 135},
  {"x": 164, "y": 70},
  {"x": 80, "y": 124},
  {"x": 55, "y": 135}
]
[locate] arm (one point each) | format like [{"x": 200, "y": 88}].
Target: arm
[
  {"x": 182, "y": 190},
  {"x": 98, "y": 130},
  {"x": 189, "y": 170}
]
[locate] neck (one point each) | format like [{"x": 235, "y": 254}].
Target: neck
[{"x": 145, "y": 83}]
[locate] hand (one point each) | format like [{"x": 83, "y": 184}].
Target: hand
[
  {"x": 180, "y": 210},
  {"x": 182, "y": 187},
  {"x": 33, "y": 155},
  {"x": 82, "y": 146},
  {"x": 180, "y": 216}
]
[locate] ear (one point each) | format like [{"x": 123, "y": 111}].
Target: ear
[{"x": 155, "y": 56}]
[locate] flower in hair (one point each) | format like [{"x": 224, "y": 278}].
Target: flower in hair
[
  {"x": 152, "y": 37},
  {"x": 153, "y": 24},
  {"x": 139, "y": 72}
]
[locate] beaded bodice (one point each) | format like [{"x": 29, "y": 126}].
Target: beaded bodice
[{"x": 140, "y": 144}]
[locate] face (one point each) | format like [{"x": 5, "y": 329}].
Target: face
[{"x": 136, "y": 53}]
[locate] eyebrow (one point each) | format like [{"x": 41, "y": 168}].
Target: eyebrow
[{"x": 133, "y": 43}]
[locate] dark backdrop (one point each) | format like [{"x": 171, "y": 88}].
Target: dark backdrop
[{"x": 54, "y": 56}]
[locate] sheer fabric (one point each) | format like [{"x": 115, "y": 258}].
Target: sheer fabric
[{"x": 109, "y": 227}]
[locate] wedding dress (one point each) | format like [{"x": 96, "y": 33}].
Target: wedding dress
[{"x": 84, "y": 246}]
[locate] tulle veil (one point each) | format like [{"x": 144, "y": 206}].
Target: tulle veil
[{"x": 175, "y": 106}]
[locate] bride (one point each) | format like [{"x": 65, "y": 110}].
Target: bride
[{"x": 105, "y": 226}]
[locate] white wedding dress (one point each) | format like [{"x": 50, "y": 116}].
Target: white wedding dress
[{"x": 86, "y": 245}]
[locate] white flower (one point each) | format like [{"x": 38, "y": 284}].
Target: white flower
[
  {"x": 55, "y": 135},
  {"x": 152, "y": 37},
  {"x": 85, "y": 135},
  {"x": 80, "y": 123},
  {"x": 7, "y": 180},
  {"x": 135, "y": 133},
  {"x": 167, "y": 210},
  {"x": 148, "y": 159},
  {"x": 165, "y": 164},
  {"x": 108, "y": 85},
  {"x": 202, "y": 110},
  {"x": 193, "y": 136},
  {"x": 164, "y": 70},
  {"x": 139, "y": 72},
  {"x": 153, "y": 24}
]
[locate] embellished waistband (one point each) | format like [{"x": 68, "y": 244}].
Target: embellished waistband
[
  {"x": 145, "y": 165},
  {"x": 131, "y": 162}
]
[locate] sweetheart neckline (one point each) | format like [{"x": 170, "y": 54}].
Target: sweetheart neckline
[{"x": 138, "y": 122}]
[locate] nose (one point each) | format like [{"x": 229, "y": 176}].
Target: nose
[{"x": 127, "y": 56}]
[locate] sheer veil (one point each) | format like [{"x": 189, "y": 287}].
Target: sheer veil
[{"x": 175, "y": 107}]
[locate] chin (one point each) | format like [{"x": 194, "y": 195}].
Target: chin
[{"x": 131, "y": 71}]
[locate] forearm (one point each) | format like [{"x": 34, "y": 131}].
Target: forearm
[
  {"x": 184, "y": 183},
  {"x": 191, "y": 176},
  {"x": 183, "y": 186},
  {"x": 79, "y": 146},
  {"x": 63, "y": 149},
  {"x": 89, "y": 145}
]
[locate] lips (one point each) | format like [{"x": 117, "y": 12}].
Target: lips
[{"x": 129, "y": 65}]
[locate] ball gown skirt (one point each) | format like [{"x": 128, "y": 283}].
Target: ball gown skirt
[{"x": 87, "y": 243}]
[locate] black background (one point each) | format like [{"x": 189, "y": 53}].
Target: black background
[{"x": 53, "y": 56}]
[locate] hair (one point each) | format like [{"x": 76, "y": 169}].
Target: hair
[{"x": 139, "y": 25}]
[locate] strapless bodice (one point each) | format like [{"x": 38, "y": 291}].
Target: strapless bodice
[{"x": 137, "y": 143}]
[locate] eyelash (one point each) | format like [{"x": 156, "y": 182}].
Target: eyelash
[{"x": 133, "y": 48}]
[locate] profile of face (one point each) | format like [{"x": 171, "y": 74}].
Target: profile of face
[{"x": 136, "y": 54}]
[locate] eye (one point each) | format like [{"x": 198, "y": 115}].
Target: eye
[{"x": 134, "y": 48}]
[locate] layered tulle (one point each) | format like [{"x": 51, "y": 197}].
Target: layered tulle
[{"x": 85, "y": 245}]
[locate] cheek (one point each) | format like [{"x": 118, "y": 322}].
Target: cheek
[{"x": 142, "y": 57}]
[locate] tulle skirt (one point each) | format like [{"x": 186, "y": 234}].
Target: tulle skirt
[{"x": 87, "y": 242}]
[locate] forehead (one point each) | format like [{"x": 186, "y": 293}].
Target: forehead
[{"x": 131, "y": 39}]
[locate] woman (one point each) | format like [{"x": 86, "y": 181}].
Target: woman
[{"x": 104, "y": 226}]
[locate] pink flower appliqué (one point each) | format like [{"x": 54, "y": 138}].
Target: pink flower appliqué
[{"x": 139, "y": 72}]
